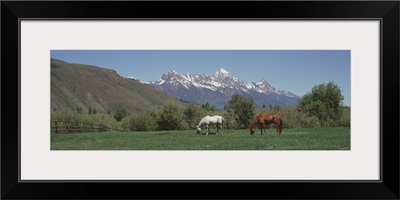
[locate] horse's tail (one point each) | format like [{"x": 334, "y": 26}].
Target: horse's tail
[
  {"x": 222, "y": 124},
  {"x": 280, "y": 124}
]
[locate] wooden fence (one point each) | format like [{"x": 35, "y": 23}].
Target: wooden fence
[{"x": 76, "y": 127}]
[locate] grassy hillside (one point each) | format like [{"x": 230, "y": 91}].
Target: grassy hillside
[
  {"x": 84, "y": 86},
  {"x": 291, "y": 139}
]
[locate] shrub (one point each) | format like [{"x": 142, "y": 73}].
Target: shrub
[
  {"x": 183, "y": 125},
  {"x": 345, "y": 119},
  {"x": 230, "y": 120},
  {"x": 170, "y": 116},
  {"x": 290, "y": 118},
  {"x": 139, "y": 122},
  {"x": 310, "y": 122},
  {"x": 191, "y": 114}
]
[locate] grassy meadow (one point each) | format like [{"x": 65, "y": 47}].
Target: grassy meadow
[{"x": 326, "y": 138}]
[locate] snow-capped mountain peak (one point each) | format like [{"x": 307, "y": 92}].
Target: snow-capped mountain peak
[
  {"x": 219, "y": 87},
  {"x": 223, "y": 71}
]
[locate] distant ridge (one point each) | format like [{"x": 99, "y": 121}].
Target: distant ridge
[{"x": 84, "y": 86}]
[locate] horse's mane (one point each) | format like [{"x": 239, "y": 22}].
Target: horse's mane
[{"x": 202, "y": 121}]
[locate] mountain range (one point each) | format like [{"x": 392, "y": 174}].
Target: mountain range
[
  {"x": 87, "y": 86},
  {"x": 218, "y": 88}
]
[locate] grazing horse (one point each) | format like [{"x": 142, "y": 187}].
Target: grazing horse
[
  {"x": 264, "y": 119},
  {"x": 207, "y": 120}
]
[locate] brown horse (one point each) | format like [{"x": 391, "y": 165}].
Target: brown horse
[{"x": 264, "y": 119}]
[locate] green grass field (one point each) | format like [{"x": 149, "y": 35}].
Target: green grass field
[{"x": 291, "y": 139}]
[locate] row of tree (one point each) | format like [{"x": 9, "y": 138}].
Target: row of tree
[{"x": 321, "y": 107}]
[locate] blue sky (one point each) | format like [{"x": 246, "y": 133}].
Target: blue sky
[{"x": 296, "y": 71}]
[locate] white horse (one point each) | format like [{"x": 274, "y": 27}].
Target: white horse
[{"x": 207, "y": 120}]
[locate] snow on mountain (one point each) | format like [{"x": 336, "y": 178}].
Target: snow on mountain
[{"x": 219, "y": 87}]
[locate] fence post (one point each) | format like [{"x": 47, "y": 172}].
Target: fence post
[{"x": 56, "y": 127}]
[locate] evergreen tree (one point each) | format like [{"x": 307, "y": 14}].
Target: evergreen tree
[
  {"x": 79, "y": 110},
  {"x": 120, "y": 114},
  {"x": 212, "y": 108}
]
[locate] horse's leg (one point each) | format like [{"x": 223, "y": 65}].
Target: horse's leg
[
  {"x": 265, "y": 128},
  {"x": 277, "y": 128},
  {"x": 262, "y": 127},
  {"x": 208, "y": 129}
]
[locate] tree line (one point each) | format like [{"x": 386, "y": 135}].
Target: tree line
[{"x": 321, "y": 107}]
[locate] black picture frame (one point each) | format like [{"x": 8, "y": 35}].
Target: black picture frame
[{"x": 386, "y": 11}]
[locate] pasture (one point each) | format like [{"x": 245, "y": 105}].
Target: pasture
[{"x": 290, "y": 139}]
